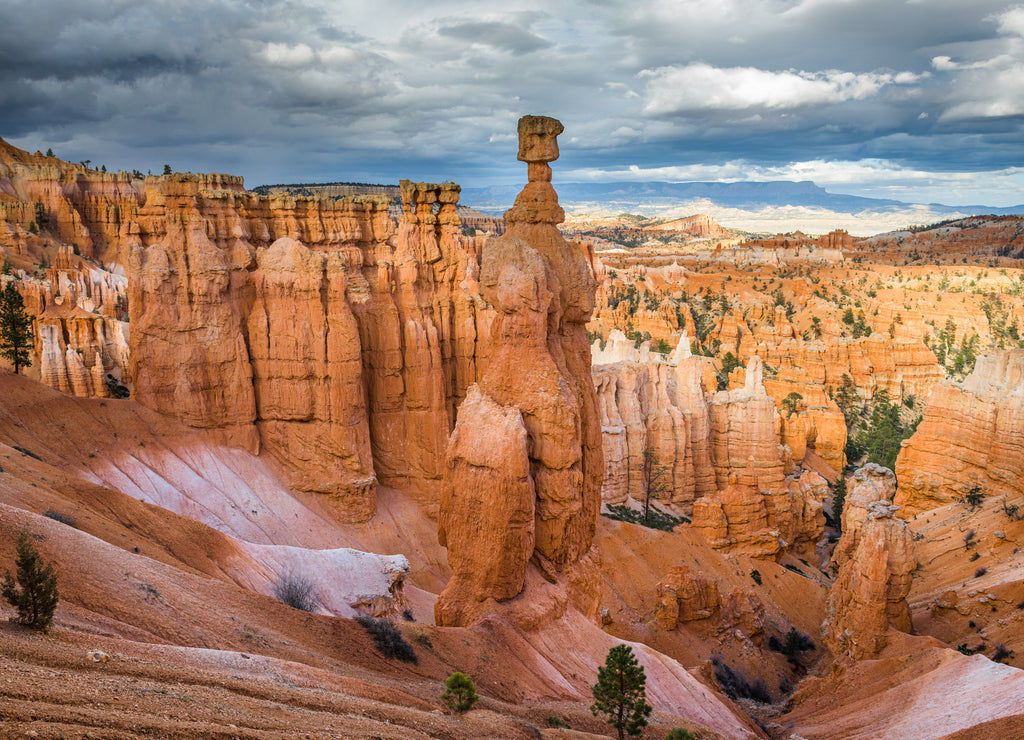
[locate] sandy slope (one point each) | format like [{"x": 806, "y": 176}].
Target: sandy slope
[
  {"x": 148, "y": 579},
  {"x": 199, "y": 651}
]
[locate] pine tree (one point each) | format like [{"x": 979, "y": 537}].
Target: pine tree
[
  {"x": 33, "y": 590},
  {"x": 15, "y": 328},
  {"x": 791, "y": 403},
  {"x": 459, "y": 694},
  {"x": 839, "y": 501},
  {"x": 620, "y": 692}
]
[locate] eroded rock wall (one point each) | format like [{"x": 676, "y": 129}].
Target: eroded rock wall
[
  {"x": 77, "y": 308},
  {"x": 722, "y": 454},
  {"x": 312, "y": 329},
  {"x": 972, "y": 434},
  {"x": 317, "y": 329},
  {"x": 647, "y": 401}
]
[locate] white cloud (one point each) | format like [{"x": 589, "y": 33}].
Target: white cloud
[
  {"x": 1012, "y": 22},
  {"x": 991, "y": 85},
  {"x": 701, "y": 86},
  {"x": 289, "y": 56},
  {"x": 946, "y": 64},
  {"x": 340, "y": 55},
  {"x": 997, "y": 94}
]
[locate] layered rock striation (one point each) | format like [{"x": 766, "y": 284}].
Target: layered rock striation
[
  {"x": 310, "y": 328},
  {"x": 78, "y": 309},
  {"x": 527, "y": 439},
  {"x": 868, "y": 484},
  {"x": 90, "y": 210},
  {"x": 971, "y": 437},
  {"x": 722, "y": 454},
  {"x": 745, "y": 428},
  {"x": 649, "y": 402}
]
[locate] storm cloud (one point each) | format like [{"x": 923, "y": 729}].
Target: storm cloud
[{"x": 920, "y": 101}]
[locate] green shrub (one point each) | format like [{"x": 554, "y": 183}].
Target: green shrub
[
  {"x": 1002, "y": 654},
  {"x": 59, "y": 516},
  {"x": 794, "y": 643},
  {"x": 792, "y": 403},
  {"x": 678, "y": 733},
  {"x": 655, "y": 520},
  {"x": 973, "y": 497},
  {"x": 735, "y": 684},
  {"x": 116, "y": 388}
]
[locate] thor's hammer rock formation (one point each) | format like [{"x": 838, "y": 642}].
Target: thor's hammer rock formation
[{"x": 524, "y": 460}]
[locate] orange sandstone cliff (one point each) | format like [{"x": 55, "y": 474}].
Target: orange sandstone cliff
[
  {"x": 972, "y": 435},
  {"x": 310, "y": 328},
  {"x": 870, "y": 593}
]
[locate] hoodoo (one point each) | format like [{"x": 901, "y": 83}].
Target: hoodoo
[
  {"x": 870, "y": 594},
  {"x": 536, "y": 378}
]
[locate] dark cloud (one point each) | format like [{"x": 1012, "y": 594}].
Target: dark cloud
[{"x": 281, "y": 90}]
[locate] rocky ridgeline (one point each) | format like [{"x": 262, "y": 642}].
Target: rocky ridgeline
[
  {"x": 947, "y": 241},
  {"x": 699, "y": 226},
  {"x": 722, "y": 452}
]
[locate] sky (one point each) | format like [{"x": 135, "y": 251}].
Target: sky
[{"x": 916, "y": 100}]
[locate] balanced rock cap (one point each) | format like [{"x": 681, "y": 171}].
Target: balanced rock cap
[{"x": 537, "y": 142}]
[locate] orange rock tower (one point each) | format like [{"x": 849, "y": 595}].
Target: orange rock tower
[{"x": 524, "y": 461}]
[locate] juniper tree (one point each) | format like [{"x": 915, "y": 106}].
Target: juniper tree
[
  {"x": 838, "y": 501},
  {"x": 792, "y": 402},
  {"x": 654, "y": 475},
  {"x": 621, "y": 692}
]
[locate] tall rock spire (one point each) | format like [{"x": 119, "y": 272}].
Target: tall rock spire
[{"x": 533, "y": 411}]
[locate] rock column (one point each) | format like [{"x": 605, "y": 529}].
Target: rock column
[
  {"x": 537, "y": 369},
  {"x": 870, "y": 593}
]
